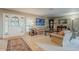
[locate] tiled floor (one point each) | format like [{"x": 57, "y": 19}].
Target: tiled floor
[
  {"x": 44, "y": 42},
  {"x": 17, "y": 45},
  {"x": 41, "y": 43},
  {"x": 43, "y": 39},
  {"x": 20, "y": 44}
]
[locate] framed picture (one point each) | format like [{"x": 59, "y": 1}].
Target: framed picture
[
  {"x": 62, "y": 21},
  {"x": 40, "y": 22}
]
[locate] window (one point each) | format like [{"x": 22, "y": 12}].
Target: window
[
  {"x": 22, "y": 24},
  {"x": 29, "y": 24},
  {"x": 14, "y": 21},
  {"x": 13, "y": 24},
  {"x": 6, "y": 23}
]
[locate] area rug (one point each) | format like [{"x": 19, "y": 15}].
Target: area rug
[{"x": 17, "y": 45}]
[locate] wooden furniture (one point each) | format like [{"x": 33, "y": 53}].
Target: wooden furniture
[
  {"x": 60, "y": 28},
  {"x": 40, "y": 31},
  {"x": 56, "y": 35},
  {"x": 33, "y": 46},
  {"x": 32, "y": 32},
  {"x": 51, "y": 25},
  {"x": 56, "y": 38},
  {"x": 36, "y": 32}
]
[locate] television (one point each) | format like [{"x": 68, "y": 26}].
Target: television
[{"x": 40, "y": 22}]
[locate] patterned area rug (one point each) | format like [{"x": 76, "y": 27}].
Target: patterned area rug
[{"x": 17, "y": 45}]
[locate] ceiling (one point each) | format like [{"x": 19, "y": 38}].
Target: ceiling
[{"x": 48, "y": 11}]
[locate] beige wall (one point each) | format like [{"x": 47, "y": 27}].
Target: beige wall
[
  {"x": 69, "y": 24},
  {"x": 33, "y": 17},
  {"x": 30, "y": 16},
  {"x": 1, "y": 24}
]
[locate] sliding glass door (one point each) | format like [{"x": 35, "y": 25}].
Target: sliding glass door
[
  {"x": 13, "y": 24},
  {"x": 29, "y": 24},
  {"x": 5, "y": 24}
]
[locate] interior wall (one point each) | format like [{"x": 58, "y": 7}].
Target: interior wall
[
  {"x": 76, "y": 24},
  {"x": 1, "y": 24},
  {"x": 69, "y": 20},
  {"x": 33, "y": 18},
  {"x": 28, "y": 17}
]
